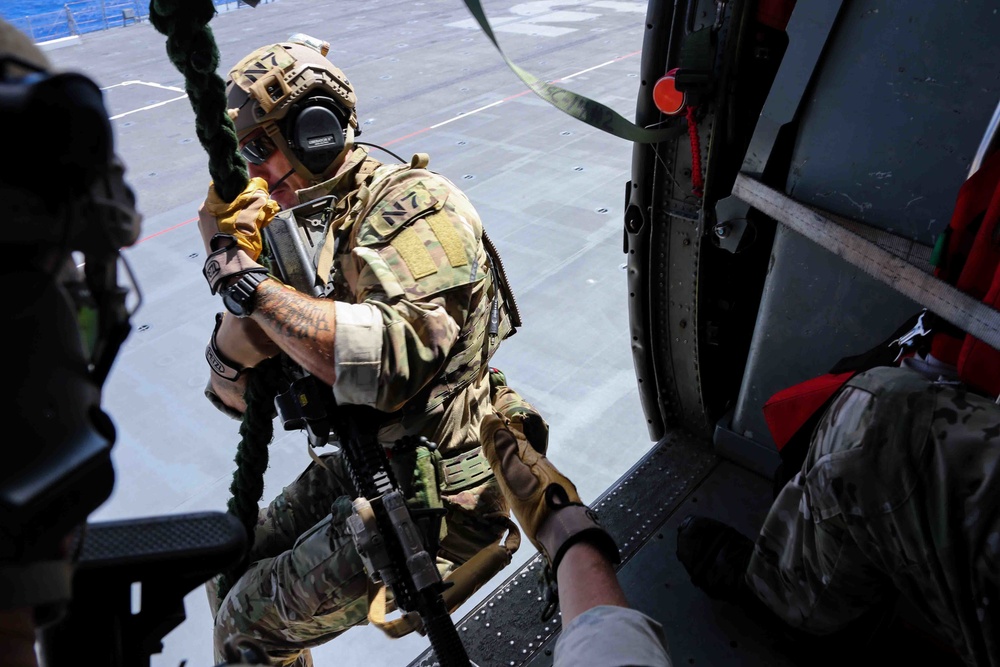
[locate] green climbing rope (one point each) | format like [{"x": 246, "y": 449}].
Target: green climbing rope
[{"x": 192, "y": 49}]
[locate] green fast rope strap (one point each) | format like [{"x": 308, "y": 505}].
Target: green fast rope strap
[
  {"x": 582, "y": 108},
  {"x": 192, "y": 49}
]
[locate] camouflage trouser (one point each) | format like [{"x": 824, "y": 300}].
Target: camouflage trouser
[
  {"x": 306, "y": 583},
  {"x": 899, "y": 493}
]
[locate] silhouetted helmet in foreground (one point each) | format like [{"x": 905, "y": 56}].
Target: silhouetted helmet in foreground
[
  {"x": 67, "y": 312},
  {"x": 302, "y": 103}
]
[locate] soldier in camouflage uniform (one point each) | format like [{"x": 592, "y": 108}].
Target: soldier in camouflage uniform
[
  {"x": 898, "y": 495},
  {"x": 411, "y": 313}
]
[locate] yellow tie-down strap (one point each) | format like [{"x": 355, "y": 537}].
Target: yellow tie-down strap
[{"x": 466, "y": 579}]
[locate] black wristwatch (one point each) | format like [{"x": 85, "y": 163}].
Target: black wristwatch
[{"x": 239, "y": 297}]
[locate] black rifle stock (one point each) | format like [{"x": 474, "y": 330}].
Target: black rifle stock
[{"x": 401, "y": 561}]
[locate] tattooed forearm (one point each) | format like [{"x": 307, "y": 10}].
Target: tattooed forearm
[{"x": 294, "y": 314}]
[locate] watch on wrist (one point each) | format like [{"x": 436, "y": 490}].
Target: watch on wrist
[{"x": 240, "y": 297}]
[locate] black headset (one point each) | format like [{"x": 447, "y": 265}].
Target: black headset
[{"x": 316, "y": 131}]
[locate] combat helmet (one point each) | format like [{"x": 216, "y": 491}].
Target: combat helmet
[{"x": 304, "y": 104}]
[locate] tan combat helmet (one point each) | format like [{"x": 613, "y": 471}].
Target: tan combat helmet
[
  {"x": 301, "y": 101},
  {"x": 16, "y": 43}
]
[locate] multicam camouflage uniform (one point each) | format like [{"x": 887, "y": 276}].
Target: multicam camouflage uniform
[
  {"x": 414, "y": 292},
  {"x": 899, "y": 492}
]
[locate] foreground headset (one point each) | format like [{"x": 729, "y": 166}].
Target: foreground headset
[{"x": 315, "y": 132}]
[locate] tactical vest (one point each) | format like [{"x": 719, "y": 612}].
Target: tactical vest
[{"x": 366, "y": 216}]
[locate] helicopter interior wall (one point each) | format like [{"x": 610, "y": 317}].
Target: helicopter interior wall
[{"x": 886, "y": 133}]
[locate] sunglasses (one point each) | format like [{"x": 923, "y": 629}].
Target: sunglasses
[{"x": 257, "y": 150}]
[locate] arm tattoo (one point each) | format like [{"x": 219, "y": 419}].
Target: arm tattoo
[{"x": 294, "y": 315}]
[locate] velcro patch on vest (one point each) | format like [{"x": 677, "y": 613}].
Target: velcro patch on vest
[
  {"x": 451, "y": 242},
  {"x": 411, "y": 248},
  {"x": 399, "y": 212}
]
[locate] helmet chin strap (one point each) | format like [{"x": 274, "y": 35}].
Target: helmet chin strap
[{"x": 282, "y": 180}]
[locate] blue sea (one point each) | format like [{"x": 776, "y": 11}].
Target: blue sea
[
  {"x": 45, "y": 20},
  {"x": 22, "y": 8}
]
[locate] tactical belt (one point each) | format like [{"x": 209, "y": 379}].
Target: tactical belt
[{"x": 463, "y": 471}]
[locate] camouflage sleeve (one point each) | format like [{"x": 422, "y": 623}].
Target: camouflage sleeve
[
  {"x": 608, "y": 636},
  {"x": 418, "y": 258}
]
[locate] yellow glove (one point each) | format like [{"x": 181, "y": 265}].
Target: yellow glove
[
  {"x": 242, "y": 218},
  {"x": 544, "y": 500},
  {"x": 231, "y": 231}
]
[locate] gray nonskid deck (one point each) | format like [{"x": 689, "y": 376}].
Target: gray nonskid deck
[
  {"x": 507, "y": 629},
  {"x": 548, "y": 187}
]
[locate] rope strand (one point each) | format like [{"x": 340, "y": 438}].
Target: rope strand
[{"x": 192, "y": 49}]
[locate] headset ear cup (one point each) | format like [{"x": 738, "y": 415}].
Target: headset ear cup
[{"x": 316, "y": 134}]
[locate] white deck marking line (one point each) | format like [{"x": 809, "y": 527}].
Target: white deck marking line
[
  {"x": 590, "y": 69},
  {"x": 147, "y": 108},
  {"x": 144, "y": 83},
  {"x": 463, "y": 114},
  {"x": 151, "y": 106}
]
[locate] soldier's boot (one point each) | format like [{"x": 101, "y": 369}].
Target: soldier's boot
[{"x": 716, "y": 557}]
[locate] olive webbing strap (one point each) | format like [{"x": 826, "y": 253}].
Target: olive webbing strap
[
  {"x": 582, "y": 108},
  {"x": 949, "y": 303}
]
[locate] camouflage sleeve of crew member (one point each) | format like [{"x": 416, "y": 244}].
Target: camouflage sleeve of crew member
[{"x": 415, "y": 261}]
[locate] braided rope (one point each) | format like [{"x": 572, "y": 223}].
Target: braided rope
[
  {"x": 192, "y": 49},
  {"x": 252, "y": 458}
]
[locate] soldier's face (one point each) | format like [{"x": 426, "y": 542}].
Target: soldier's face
[{"x": 273, "y": 169}]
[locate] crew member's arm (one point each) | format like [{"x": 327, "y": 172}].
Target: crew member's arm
[
  {"x": 583, "y": 563},
  {"x": 599, "y": 627}
]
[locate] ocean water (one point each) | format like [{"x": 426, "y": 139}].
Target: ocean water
[
  {"x": 20, "y": 8},
  {"x": 44, "y": 20},
  {"x": 50, "y": 19}
]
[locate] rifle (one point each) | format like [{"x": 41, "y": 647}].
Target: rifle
[{"x": 396, "y": 543}]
